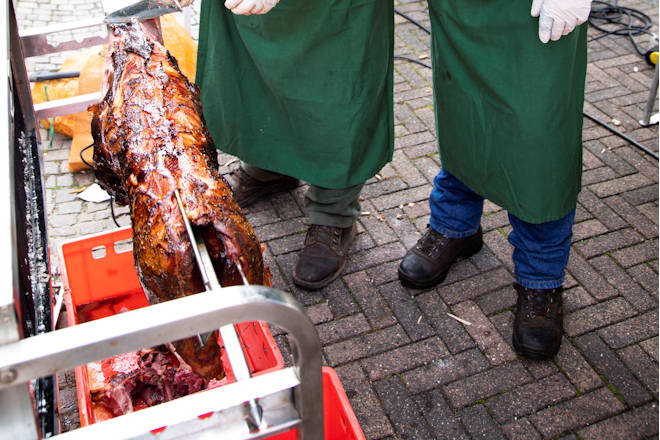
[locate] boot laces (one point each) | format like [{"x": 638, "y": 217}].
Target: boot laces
[
  {"x": 541, "y": 305},
  {"x": 324, "y": 235},
  {"x": 431, "y": 242}
]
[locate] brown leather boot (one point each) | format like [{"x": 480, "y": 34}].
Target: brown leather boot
[
  {"x": 248, "y": 190},
  {"x": 538, "y": 324},
  {"x": 324, "y": 255},
  {"x": 428, "y": 262}
]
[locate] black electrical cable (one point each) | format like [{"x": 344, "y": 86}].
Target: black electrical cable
[
  {"x": 413, "y": 21},
  {"x": 612, "y": 19},
  {"x": 112, "y": 205},
  {"x": 412, "y": 60},
  {"x": 112, "y": 211},
  {"x": 82, "y": 157},
  {"x": 629, "y": 30},
  {"x": 419, "y": 25},
  {"x": 621, "y": 135}
]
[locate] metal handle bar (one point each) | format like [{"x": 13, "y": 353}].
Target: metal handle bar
[
  {"x": 48, "y": 353},
  {"x": 182, "y": 415}
]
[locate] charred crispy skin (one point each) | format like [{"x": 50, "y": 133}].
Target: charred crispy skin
[{"x": 150, "y": 138}]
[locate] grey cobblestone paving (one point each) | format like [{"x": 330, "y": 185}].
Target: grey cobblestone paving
[{"x": 411, "y": 371}]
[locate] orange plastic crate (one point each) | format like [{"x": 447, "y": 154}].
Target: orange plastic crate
[
  {"x": 99, "y": 280},
  {"x": 340, "y": 422}
]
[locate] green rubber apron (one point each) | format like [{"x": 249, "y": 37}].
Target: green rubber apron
[
  {"x": 305, "y": 90},
  {"x": 508, "y": 107}
]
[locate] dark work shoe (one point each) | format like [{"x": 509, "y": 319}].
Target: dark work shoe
[
  {"x": 248, "y": 190},
  {"x": 428, "y": 262},
  {"x": 538, "y": 324},
  {"x": 323, "y": 256}
]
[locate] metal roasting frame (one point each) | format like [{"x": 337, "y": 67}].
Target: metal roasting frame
[
  {"x": 250, "y": 408},
  {"x": 35, "y": 42},
  {"x": 291, "y": 397},
  {"x": 25, "y": 294}
]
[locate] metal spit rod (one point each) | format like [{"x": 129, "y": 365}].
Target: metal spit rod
[{"x": 228, "y": 332}]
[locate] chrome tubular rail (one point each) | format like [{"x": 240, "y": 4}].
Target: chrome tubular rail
[{"x": 48, "y": 353}]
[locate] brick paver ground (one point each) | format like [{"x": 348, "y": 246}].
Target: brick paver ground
[{"x": 410, "y": 370}]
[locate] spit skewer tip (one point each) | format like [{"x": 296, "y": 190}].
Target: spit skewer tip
[{"x": 240, "y": 270}]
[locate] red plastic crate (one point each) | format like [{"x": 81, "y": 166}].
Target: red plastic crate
[
  {"x": 340, "y": 422},
  {"x": 99, "y": 280}
]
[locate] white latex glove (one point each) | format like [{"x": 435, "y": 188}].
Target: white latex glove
[
  {"x": 559, "y": 17},
  {"x": 249, "y": 7}
]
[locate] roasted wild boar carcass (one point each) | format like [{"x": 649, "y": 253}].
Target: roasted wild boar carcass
[{"x": 150, "y": 139}]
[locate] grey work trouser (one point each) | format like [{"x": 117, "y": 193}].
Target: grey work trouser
[{"x": 323, "y": 206}]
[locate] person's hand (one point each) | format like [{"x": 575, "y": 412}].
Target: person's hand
[
  {"x": 185, "y": 3},
  {"x": 559, "y": 17},
  {"x": 248, "y": 7}
]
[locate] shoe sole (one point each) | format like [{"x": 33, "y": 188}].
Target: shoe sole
[
  {"x": 409, "y": 282},
  {"x": 318, "y": 284},
  {"x": 528, "y": 353}
]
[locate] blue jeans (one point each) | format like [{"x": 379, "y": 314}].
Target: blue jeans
[{"x": 540, "y": 250}]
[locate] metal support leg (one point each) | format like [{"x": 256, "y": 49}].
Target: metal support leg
[
  {"x": 650, "y": 104},
  {"x": 17, "y": 414}
]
